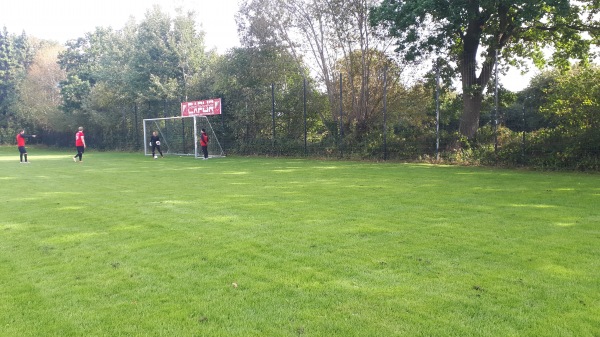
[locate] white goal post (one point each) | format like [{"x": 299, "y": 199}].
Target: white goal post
[{"x": 180, "y": 136}]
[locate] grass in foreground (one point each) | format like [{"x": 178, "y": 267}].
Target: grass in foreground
[{"x": 124, "y": 245}]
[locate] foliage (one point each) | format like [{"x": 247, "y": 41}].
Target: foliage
[
  {"x": 463, "y": 32},
  {"x": 333, "y": 39},
  {"x": 562, "y": 117},
  {"x": 363, "y": 88},
  {"x": 110, "y": 80},
  {"x": 16, "y": 55},
  {"x": 250, "y": 79},
  {"x": 115, "y": 79},
  {"x": 574, "y": 101},
  {"x": 39, "y": 96}
]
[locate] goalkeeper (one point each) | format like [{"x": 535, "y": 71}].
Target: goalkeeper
[{"x": 155, "y": 143}]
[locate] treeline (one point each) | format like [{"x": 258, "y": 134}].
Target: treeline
[{"x": 346, "y": 97}]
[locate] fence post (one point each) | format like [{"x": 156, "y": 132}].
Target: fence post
[
  {"x": 496, "y": 103},
  {"x": 341, "y": 120},
  {"x": 305, "y": 127},
  {"x": 523, "y": 126},
  {"x": 273, "y": 112},
  {"x": 437, "y": 112},
  {"x": 385, "y": 113},
  {"x": 137, "y": 133}
]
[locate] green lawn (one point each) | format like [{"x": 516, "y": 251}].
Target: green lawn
[{"x": 124, "y": 245}]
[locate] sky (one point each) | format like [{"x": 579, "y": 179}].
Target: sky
[{"x": 63, "y": 20}]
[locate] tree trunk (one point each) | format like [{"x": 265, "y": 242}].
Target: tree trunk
[
  {"x": 472, "y": 84},
  {"x": 473, "y": 87},
  {"x": 469, "y": 120}
]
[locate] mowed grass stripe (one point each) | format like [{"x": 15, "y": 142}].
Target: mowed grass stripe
[{"x": 124, "y": 245}]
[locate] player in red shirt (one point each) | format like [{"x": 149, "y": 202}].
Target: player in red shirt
[
  {"x": 80, "y": 144},
  {"x": 204, "y": 143},
  {"x": 21, "y": 145}
]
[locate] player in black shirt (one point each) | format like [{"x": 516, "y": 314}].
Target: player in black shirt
[{"x": 155, "y": 143}]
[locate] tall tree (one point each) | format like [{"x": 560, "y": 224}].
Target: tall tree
[
  {"x": 470, "y": 33},
  {"x": 82, "y": 60},
  {"x": 244, "y": 80},
  {"x": 40, "y": 97},
  {"x": 573, "y": 100},
  {"x": 7, "y": 83},
  {"x": 331, "y": 36},
  {"x": 188, "y": 44},
  {"x": 364, "y": 87},
  {"x": 169, "y": 54},
  {"x": 16, "y": 56},
  {"x": 145, "y": 68}
]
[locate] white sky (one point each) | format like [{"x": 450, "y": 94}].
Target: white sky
[{"x": 62, "y": 20}]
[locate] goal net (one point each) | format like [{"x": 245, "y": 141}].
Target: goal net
[{"x": 181, "y": 136}]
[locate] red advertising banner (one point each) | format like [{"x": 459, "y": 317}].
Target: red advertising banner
[{"x": 207, "y": 107}]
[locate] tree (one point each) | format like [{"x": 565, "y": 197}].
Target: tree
[
  {"x": 524, "y": 114},
  {"x": 470, "y": 33},
  {"x": 333, "y": 37},
  {"x": 363, "y": 90},
  {"x": 245, "y": 79},
  {"x": 16, "y": 56},
  {"x": 562, "y": 119},
  {"x": 82, "y": 61},
  {"x": 169, "y": 55},
  {"x": 188, "y": 45},
  {"x": 574, "y": 101},
  {"x": 116, "y": 78},
  {"x": 7, "y": 80},
  {"x": 40, "y": 97}
]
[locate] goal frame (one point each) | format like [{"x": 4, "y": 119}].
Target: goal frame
[{"x": 196, "y": 120}]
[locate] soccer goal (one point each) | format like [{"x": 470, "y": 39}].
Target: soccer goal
[{"x": 180, "y": 136}]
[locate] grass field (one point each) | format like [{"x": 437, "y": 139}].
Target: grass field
[{"x": 124, "y": 245}]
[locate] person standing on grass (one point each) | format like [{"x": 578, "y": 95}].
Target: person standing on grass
[
  {"x": 204, "y": 143},
  {"x": 21, "y": 145},
  {"x": 155, "y": 143},
  {"x": 80, "y": 144}
]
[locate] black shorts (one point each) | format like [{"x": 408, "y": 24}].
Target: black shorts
[
  {"x": 80, "y": 149},
  {"x": 22, "y": 149}
]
